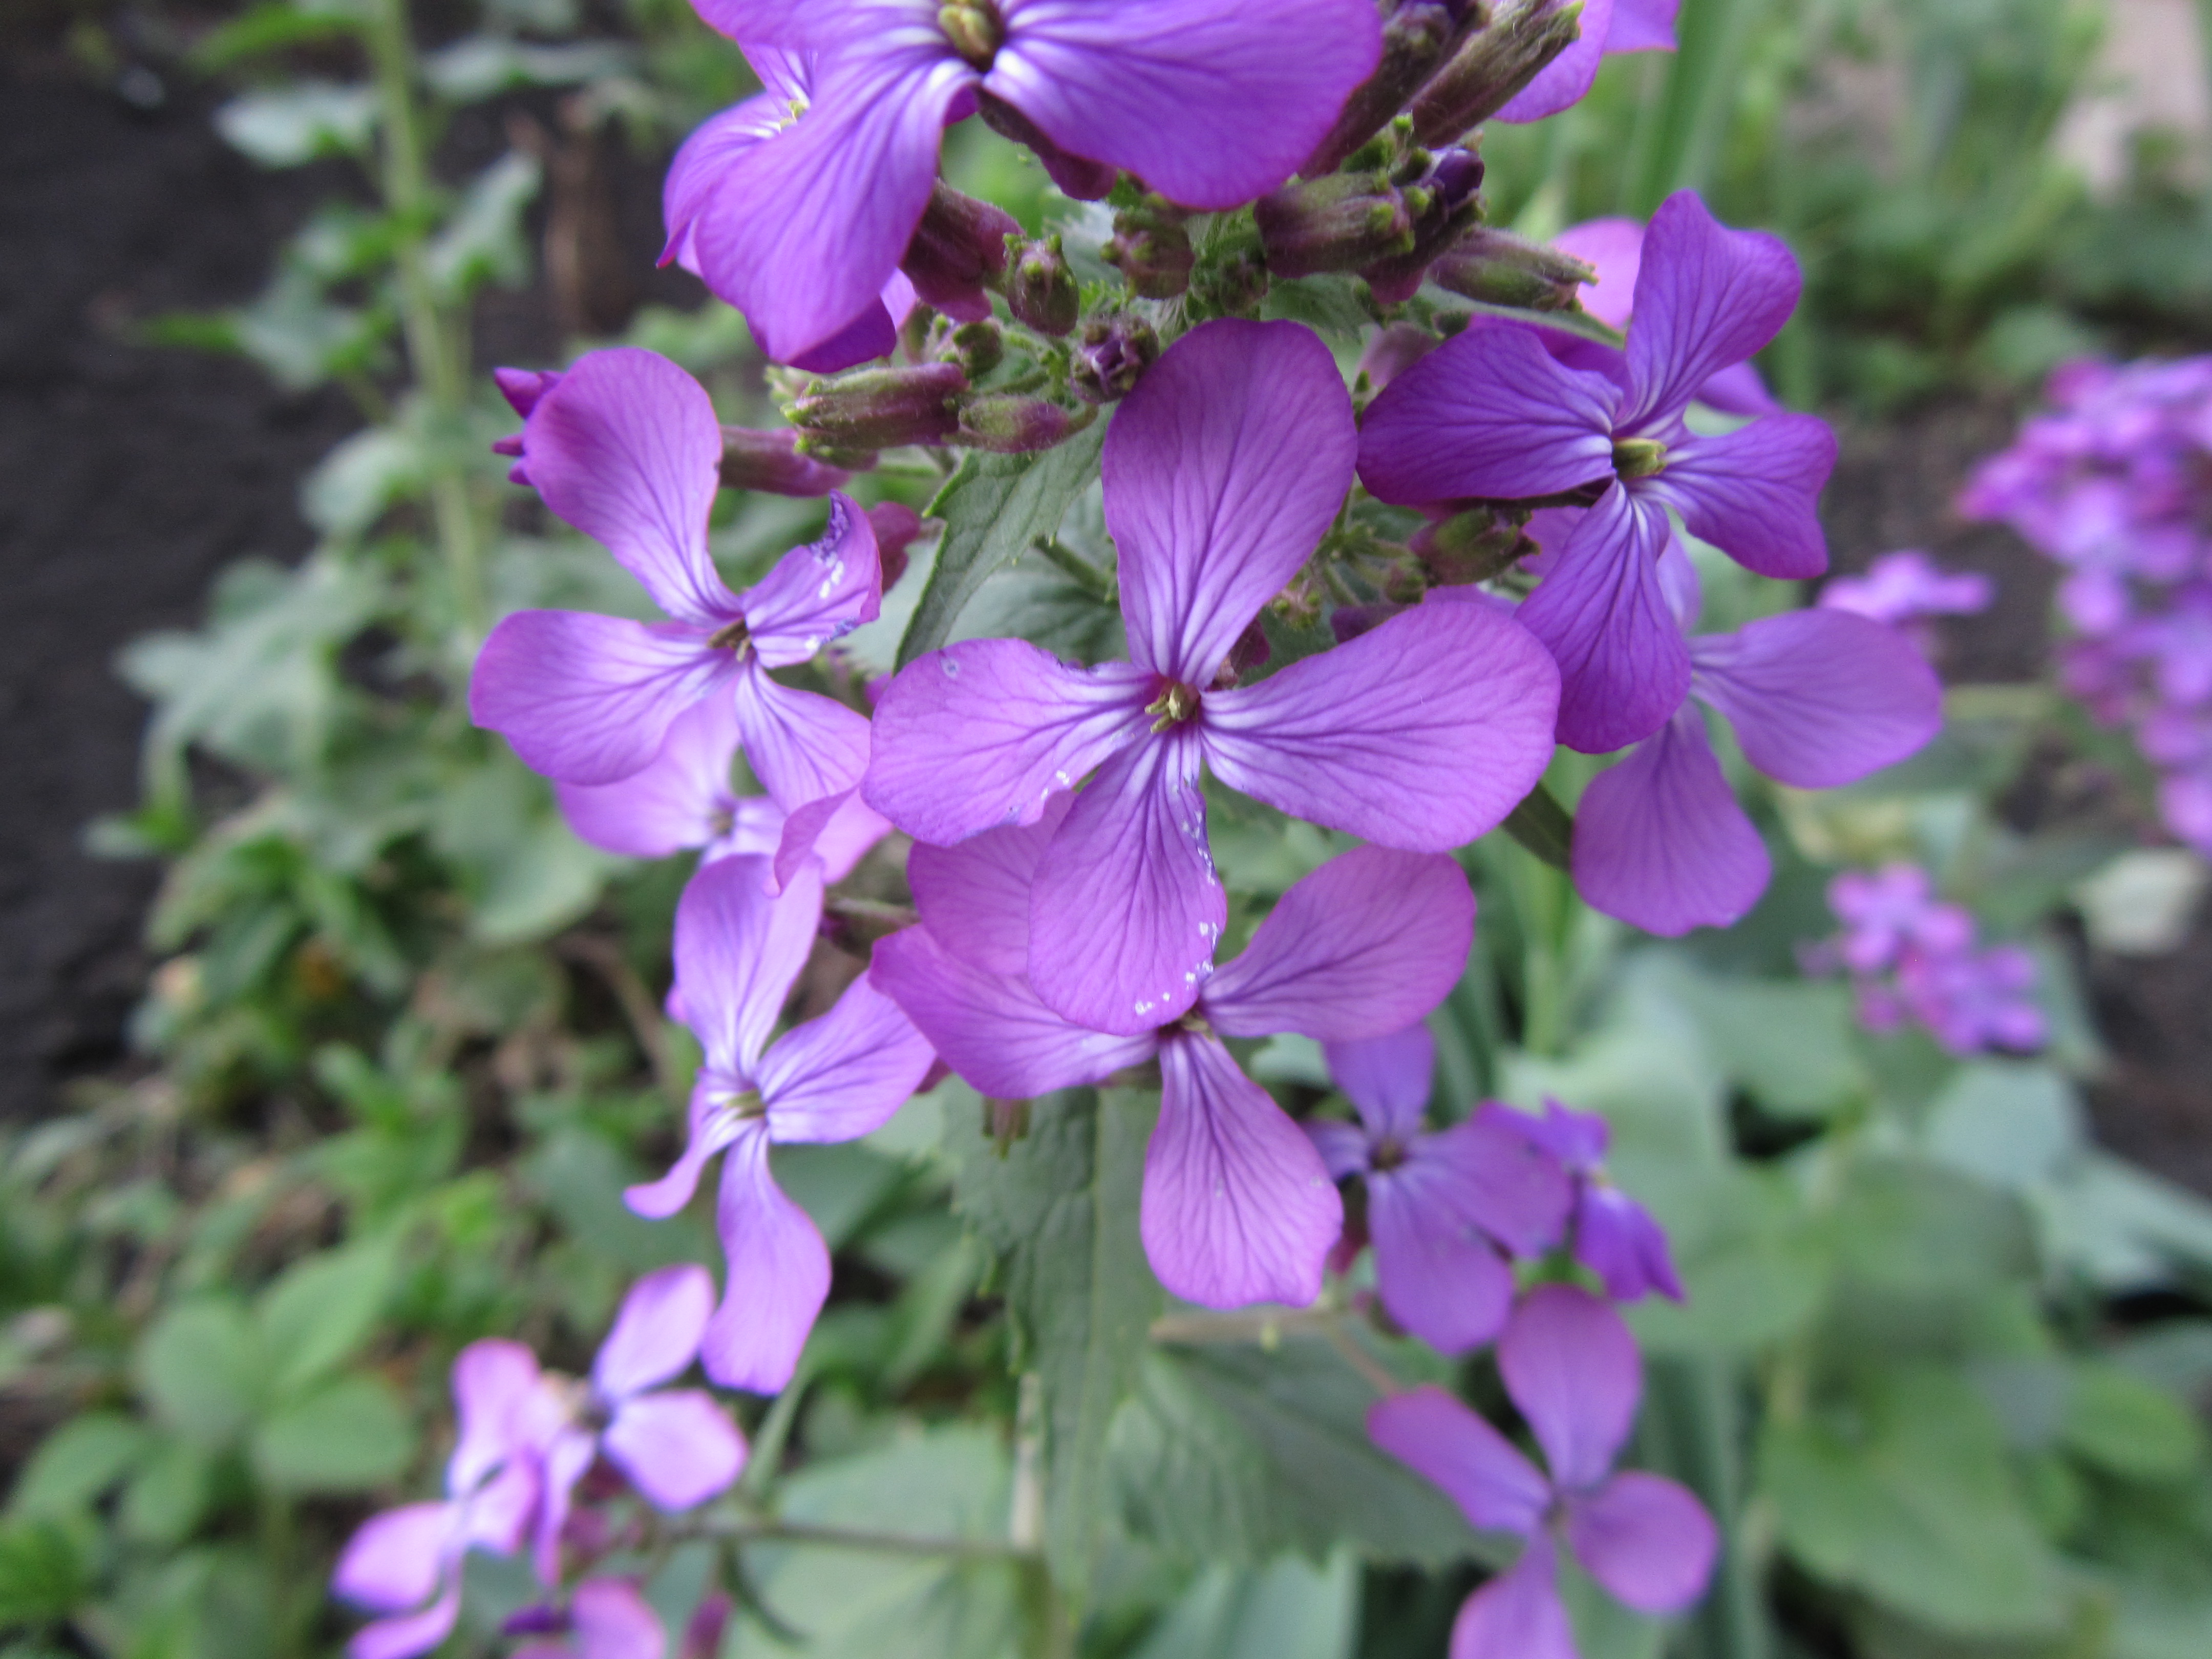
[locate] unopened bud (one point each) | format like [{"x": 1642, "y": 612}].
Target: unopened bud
[
  {"x": 523, "y": 387},
  {"x": 1493, "y": 65},
  {"x": 1416, "y": 38},
  {"x": 1473, "y": 546},
  {"x": 1078, "y": 177},
  {"x": 1041, "y": 289},
  {"x": 770, "y": 461},
  {"x": 957, "y": 249},
  {"x": 1501, "y": 269},
  {"x": 879, "y": 408},
  {"x": 1152, "y": 250},
  {"x": 1008, "y": 423},
  {"x": 1338, "y": 224},
  {"x": 1443, "y": 200},
  {"x": 898, "y": 527},
  {"x": 1230, "y": 285},
  {"x": 1113, "y": 354},
  {"x": 975, "y": 347}
]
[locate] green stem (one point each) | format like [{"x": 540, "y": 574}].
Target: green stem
[
  {"x": 1097, "y": 583},
  {"x": 1544, "y": 899},
  {"x": 1700, "y": 100},
  {"x": 854, "y": 1538}
]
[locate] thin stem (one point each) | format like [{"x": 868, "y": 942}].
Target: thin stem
[
  {"x": 1099, "y": 584},
  {"x": 605, "y": 958},
  {"x": 854, "y": 1538},
  {"x": 1363, "y": 1362},
  {"x": 1267, "y": 1328}
]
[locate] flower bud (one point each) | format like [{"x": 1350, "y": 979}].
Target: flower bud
[
  {"x": 898, "y": 527},
  {"x": 957, "y": 249},
  {"x": 1494, "y": 64},
  {"x": 1229, "y": 285},
  {"x": 1417, "y": 37},
  {"x": 1152, "y": 250},
  {"x": 879, "y": 408},
  {"x": 523, "y": 387},
  {"x": 1041, "y": 290},
  {"x": 1501, "y": 269},
  {"x": 976, "y": 347},
  {"x": 1393, "y": 351},
  {"x": 1338, "y": 224},
  {"x": 1442, "y": 197},
  {"x": 1473, "y": 546},
  {"x": 1008, "y": 423},
  {"x": 770, "y": 461},
  {"x": 1078, "y": 177},
  {"x": 1113, "y": 354}
]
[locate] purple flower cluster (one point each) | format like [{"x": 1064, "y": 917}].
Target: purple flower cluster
[
  {"x": 1913, "y": 957},
  {"x": 2113, "y": 483},
  {"x": 1906, "y": 590}
]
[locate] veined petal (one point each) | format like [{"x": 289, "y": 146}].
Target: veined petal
[
  {"x": 1344, "y": 1147},
  {"x": 1706, "y": 298},
  {"x": 394, "y": 1559},
  {"x": 1237, "y": 1207},
  {"x": 1572, "y": 1368},
  {"x": 1739, "y": 391},
  {"x": 589, "y": 699},
  {"x": 1647, "y": 1540},
  {"x": 737, "y": 950},
  {"x": 626, "y": 448},
  {"x": 412, "y": 1633},
  {"x": 1211, "y": 102},
  {"x": 991, "y": 1028},
  {"x": 677, "y": 1447},
  {"x": 1660, "y": 840},
  {"x": 1504, "y": 1182},
  {"x": 802, "y": 745},
  {"x": 1643, "y": 26},
  {"x": 1820, "y": 698},
  {"x": 973, "y": 895},
  {"x": 1437, "y": 1277},
  {"x": 841, "y": 1076},
  {"x": 1422, "y": 733},
  {"x": 697, "y": 170},
  {"x": 851, "y": 830},
  {"x": 613, "y": 1621},
  {"x": 1223, "y": 470},
  {"x": 1387, "y": 1078},
  {"x": 1603, "y": 613},
  {"x": 778, "y": 1275},
  {"x": 710, "y": 1126},
  {"x": 1754, "y": 493},
  {"x": 656, "y": 1331},
  {"x": 1517, "y": 1614},
  {"x": 675, "y": 801},
  {"x": 1566, "y": 78},
  {"x": 985, "y": 732},
  {"x": 818, "y": 593},
  {"x": 1617, "y": 1239},
  {"x": 802, "y": 22},
  {"x": 1614, "y": 247},
  {"x": 1126, "y": 908},
  {"x": 1445, "y": 1442},
  {"x": 1490, "y": 413},
  {"x": 1365, "y": 944}
]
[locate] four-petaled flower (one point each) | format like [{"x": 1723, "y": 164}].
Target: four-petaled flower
[{"x": 1614, "y": 1235}]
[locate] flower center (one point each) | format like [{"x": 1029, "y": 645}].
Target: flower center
[
  {"x": 974, "y": 29},
  {"x": 1176, "y": 704},
  {"x": 1639, "y": 457},
  {"x": 1387, "y": 1157},
  {"x": 731, "y": 636},
  {"x": 741, "y": 1107}
]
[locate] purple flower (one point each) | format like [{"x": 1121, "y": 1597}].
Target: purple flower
[
  {"x": 1614, "y": 1237},
  {"x": 1493, "y": 414},
  {"x": 607, "y": 1619},
  {"x": 625, "y": 447},
  {"x": 1212, "y": 102},
  {"x": 676, "y": 1445},
  {"x": 1888, "y": 912},
  {"x": 1571, "y": 1367},
  {"x": 1237, "y": 1206},
  {"x": 1904, "y": 588},
  {"x": 738, "y": 950},
  {"x": 1223, "y": 469},
  {"x": 1441, "y": 1207},
  {"x": 1608, "y": 26},
  {"x": 1974, "y": 1000}
]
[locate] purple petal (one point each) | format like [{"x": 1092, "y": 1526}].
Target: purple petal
[
  {"x": 1507, "y": 1184},
  {"x": 1211, "y": 102},
  {"x": 1647, "y": 1540},
  {"x": 627, "y": 449},
  {"x": 1127, "y": 909},
  {"x": 1517, "y": 1614},
  {"x": 493, "y": 1380},
  {"x": 656, "y": 1331},
  {"x": 498, "y": 1515},
  {"x": 564, "y": 1461},
  {"x": 1447, "y": 1443},
  {"x": 394, "y": 1559},
  {"x": 677, "y": 1447},
  {"x": 975, "y": 897},
  {"x": 778, "y": 1275},
  {"x": 1739, "y": 391},
  {"x": 841, "y": 1076},
  {"x": 1387, "y": 1079},
  {"x": 1754, "y": 493},
  {"x": 1707, "y": 298},
  {"x": 872, "y": 334},
  {"x": 1572, "y": 1368},
  {"x": 991, "y": 1028},
  {"x": 1660, "y": 841},
  {"x": 1820, "y": 698},
  {"x": 709, "y": 1127},
  {"x": 417, "y": 1632},
  {"x": 737, "y": 950},
  {"x": 1603, "y": 613},
  {"x": 1237, "y": 1207},
  {"x": 589, "y": 699},
  {"x": 1489, "y": 413},
  {"x": 985, "y": 732},
  {"x": 613, "y": 1621},
  {"x": 1422, "y": 733},
  {"x": 1438, "y": 1278},
  {"x": 1566, "y": 78},
  {"x": 1344, "y": 1147},
  {"x": 759, "y": 23},
  {"x": 675, "y": 801},
  {"x": 1615, "y": 248},
  {"x": 802, "y": 746},
  {"x": 838, "y": 829},
  {"x": 818, "y": 593},
  {"x": 1616, "y": 1238},
  {"x": 1643, "y": 26},
  {"x": 1223, "y": 470}
]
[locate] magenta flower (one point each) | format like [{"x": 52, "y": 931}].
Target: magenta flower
[
  {"x": 1443, "y": 1209},
  {"x": 1571, "y": 1368},
  {"x": 676, "y": 1446},
  {"x": 1491, "y": 413},
  {"x": 1608, "y": 26},
  {"x": 1237, "y": 1206},
  {"x": 738, "y": 948},
  {"x": 625, "y": 447},
  {"x": 1223, "y": 470},
  {"x": 607, "y": 1619},
  {"x": 1614, "y": 1237},
  {"x": 1212, "y": 102}
]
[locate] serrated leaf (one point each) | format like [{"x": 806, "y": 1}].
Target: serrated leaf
[
  {"x": 321, "y": 1309},
  {"x": 76, "y": 1463},
  {"x": 290, "y": 125},
  {"x": 202, "y": 1366},
  {"x": 348, "y": 1437},
  {"x": 993, "y": 508}
]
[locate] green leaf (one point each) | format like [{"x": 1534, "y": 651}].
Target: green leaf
[
  {"x": 1910, "y": 1230},
  {"x": 1288, "y": 1609},
  {"x": 202, "y": 1367},
  {"x": 2012, "y": 1123},
  {"x": 351, "y": 486},
  {"x": 1792, "y": 1046},
  {"x": 286, "y": 127},
  {"x": 348, "y": 1437},
  {"x": 2130, "y": 1428},
  {"x": 480, "y": 65},
  {"x": 270, "y": 26},
  {"x": 75, "y": 1464},
  {"x": 993, "y": 507},
  {"x": 1060, "y": 1207},
  {"x": 44, "y": 1575},
  {"x": 580, "y": 1177},
  {"x": 168, "y": 1493},
  {"x": 321, "y": 1309},
  {"x": 483, "y": 241}
]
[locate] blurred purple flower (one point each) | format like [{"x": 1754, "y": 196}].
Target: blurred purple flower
[
  {"x": 1614, "y": 1237},
  {"x": 607, "y": 1619}
]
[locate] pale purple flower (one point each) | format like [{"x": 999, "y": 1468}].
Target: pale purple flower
[
  {"x": 676, "y": 1446},
  {"x": 1238, "y": 1205},
  {"x": 738, "y": 948},
  {"x": 1223, "y": 470},
  {"x": 1493, "y": 414},
  {"x": 1614, "y": 1237},
  {"x": 1607, "y": 26},
  {"x": 1211, "y": 102},
  {"x": 1888, "y": 912},
  {"x": 607, "y": 1619},
  {"x": 1905, "y": 587},
  {"x": 1445, "y": 1207},
  {"x": 626, "y": 448},
  {"x": 1975, "y": 1000},
  {"x": 1571, "y": 1367}
]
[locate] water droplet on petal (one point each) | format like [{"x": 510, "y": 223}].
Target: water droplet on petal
[{"x": 950, "y": 667}]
